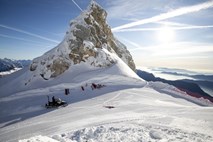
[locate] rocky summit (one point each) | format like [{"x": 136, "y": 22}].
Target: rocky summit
[{"x": 89, "y": 40}]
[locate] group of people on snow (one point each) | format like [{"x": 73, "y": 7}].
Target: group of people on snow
[{"x": 93, "y": 86}]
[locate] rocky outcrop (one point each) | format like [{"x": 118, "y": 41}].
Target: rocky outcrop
[{"x": 88, "y": 40}]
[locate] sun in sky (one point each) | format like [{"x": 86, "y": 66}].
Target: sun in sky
[{"x": 166, "y": 34}]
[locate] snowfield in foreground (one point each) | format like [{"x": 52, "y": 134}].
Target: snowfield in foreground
[
  {"x": 140, "y": 114},
  {"x": 125, "y": 109},
  {"x": 126, "y": 131}
]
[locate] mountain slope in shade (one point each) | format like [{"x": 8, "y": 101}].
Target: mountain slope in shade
[
  {"x": 190, "y": 88},
  {"x": 88, "y": 40},
  {"x": 206, "y": 86},
  {"x": 197, "y": 76}
]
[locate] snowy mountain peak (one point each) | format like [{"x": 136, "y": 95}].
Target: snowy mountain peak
[
  {"x": 88, "y": 40},
  {"x": 93, "y": 4}
]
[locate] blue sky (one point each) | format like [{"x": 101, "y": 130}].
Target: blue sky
[{"x": 158, "y": 33}]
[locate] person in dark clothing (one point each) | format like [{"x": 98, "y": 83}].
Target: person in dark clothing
[
  {"x": 94, "y": 86},
  {"x": 53, "y": 100},
  {"x": 82, "y": 88},
  {"x": 67, "y": 91}
]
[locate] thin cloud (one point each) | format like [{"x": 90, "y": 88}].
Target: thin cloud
[
  {"x": 77, "y": 5},
  {"x": 168, "y": 23},
  {"x": 177, "y": 49},
  {"x": 135, "y": 8},
  {"x": 28, "y": 33},
  {"x": 18, "y": 38},
  {"x": 158, "y": 29},
  {"x": 174, "y": 13},
  {"x": 140, "y": 47},
  {"x": 131, "y": 43},
  {"x": 182, "y": 50}
]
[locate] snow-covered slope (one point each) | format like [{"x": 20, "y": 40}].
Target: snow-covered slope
[
  {"x": 142, "y": 111},
  {"x": 25, "y": 80}
]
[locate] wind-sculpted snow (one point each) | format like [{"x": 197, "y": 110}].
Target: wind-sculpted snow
[
  {"x": 126, "y": 131},
  {"x": 132, "y": 131}
]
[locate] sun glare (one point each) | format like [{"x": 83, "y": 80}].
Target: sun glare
[{"x": 165, "y": 34}]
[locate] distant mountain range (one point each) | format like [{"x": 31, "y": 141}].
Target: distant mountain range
[
  {"x": 198, "y": 76},
  {"x": 9, "y": 64},
  {"x": 191, "y": 87}
]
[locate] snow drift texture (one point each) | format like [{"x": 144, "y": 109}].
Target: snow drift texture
[{"x": 89, "y": 39}]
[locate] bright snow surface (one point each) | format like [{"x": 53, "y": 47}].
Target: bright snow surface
[{"x": 143, "y": 111}]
